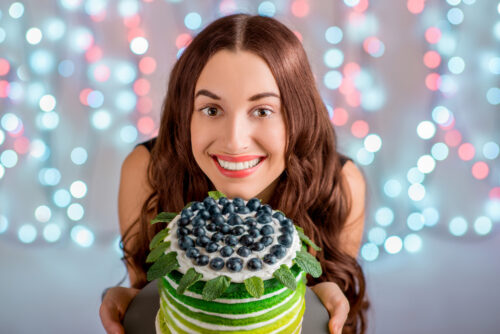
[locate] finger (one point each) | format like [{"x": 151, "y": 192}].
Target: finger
[
  {"x": 338, "y": 316},
  {"x": 110, "y": 319}
]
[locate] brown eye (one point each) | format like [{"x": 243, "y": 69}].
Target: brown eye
[
  {"x": 209, "y": 111},
  {"x": 261, "y": 113}
]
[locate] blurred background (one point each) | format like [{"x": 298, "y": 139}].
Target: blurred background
[{"x": 413, "y": 91}]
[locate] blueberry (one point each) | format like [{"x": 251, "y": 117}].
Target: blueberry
[
  {"x": 183, "y": 221},
  {"x": 201, "y": 260},
  {"x": 214, "y": 210},
  {"x": 234, "y": 219},
  {"x": 202, "y": 241},
  {"x": 197, "y": 206},
  {"x": 238, "y": 201},
  {"x": 217, "y": 236},
  {"x": 185, "y": 242},
  {"x": 254, "y": 264},
  {"x": 269, "y": 259},
  {"x": 279, "y": 216},
  {"x": 211, "y": 227},
  {"x": 286, "y": 222},
  {"x": 218, "y": 219},
  {"x": 226, "y": 251},
  {"x": 198, "y": 221},
  {"x": 204, "y": 214},
  {"x": 242, "y": 209},
  {"x": 279, "y": 251},
  {"x": 257, "y": 247},
  {"x": 192, "y": 252},
  {"x": 287, "y": 229},
  {"x": 266, "y": 208},
  {"x": 228, "y": 208},
  {"x": 199, "y": 231},
  {"x": 182, "y": 231},
  {"x": 223, "y": 201},
  {"x": 217, "y": 263},
  {"x": 266, "y": 240},
  {"x": 246, "y": 240},
  {"x": 285, "y": 240},
  {"x": 267, "y": 230},
  {"x": 187, "y": 212},
  {"x": 225, "y": 228},
  {"x": 209, "y": 201},
  {"x": 254, "y": 232},
  {"x": 244, "y": 251},
  {"x": 264, "y": 219},
  {"x": 234, "y": 264},
  {"x": 250, "y": 222},
  {"x": 212, "y": 247},
  {"x": 231, "y": 240},
  {"x": 253, "y": 204},
  {"x": 238, "y": 230}
]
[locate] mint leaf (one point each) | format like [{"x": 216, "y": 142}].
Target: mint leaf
[
  {"x": 188, "y": 205},
  {"x": 164, "y": 265},
  {"x": 308, "y": 263},
  {"x": 255, "y": 286},
  {"x": 158, "y": 238},
  {"x": 215, "y": 287},
  {"x": 285, "y": 276},
  {"x": 216, "y": 194},
  {"x": 305, "y": 239},
  {"x": 189, "y": 278},
  {"x": 164, "y": 217},
  {"x": 157, "y": 251}
]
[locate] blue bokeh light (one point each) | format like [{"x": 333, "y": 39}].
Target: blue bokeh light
[
  {"x": 416, "y": 192},
  {"x": 49, "y": 176},
  {"x": 439, "y": 151},
  {"x": 392, "y": 188},
  {"x": 8, "y": 158},
  {"x": 431, "y": 216},
  {"x": 267, "y": 8},
  {"x": 52, "y": 232},
  {"x": 493, "y": 96},
  {"x": 82, "y": 236},
  {"x": 412, "y": 243},
  {"x": 66, "y": 68},
  {"x": 414, "y": 175},
  {"x": 126, "y": 101},
  {"x": 491, "y": 150},
  {"x": 192, "y": 21},
  {"x": 79, "y": 155},
  {"x": 128, "y": 134},
  {"x": 4, "y": 224},
  {"x": 334, "y": 35},
  {"x": 41, "y": 61},
  {"x": 455, "y": 16},
  {"x": 62, "y": 198},
  {"x": 16, "y": 10},
  {"x": 333, "y": 58},
  {"x": 27, "y": 233},
  {"x": 384, "y": 216},
  {"x": 332, "y": 79},
  {"x": 458, "y": 226},
  {"x": 124, "y": 72},
  {"x": 415, "y": 221},
  {"x": 377, "y": 235},
  {"x": 483, "y": 225},
  {"x": 364, "y": 157},
  {"x": 369, "y": 251}
]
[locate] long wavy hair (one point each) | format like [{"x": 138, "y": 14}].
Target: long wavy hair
[{"x": 311, "y": 190}]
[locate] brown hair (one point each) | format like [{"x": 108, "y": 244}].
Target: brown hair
[{"x": 311, "y": 190}]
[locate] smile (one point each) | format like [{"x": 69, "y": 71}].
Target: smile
[{"x": 238, "y": 166}]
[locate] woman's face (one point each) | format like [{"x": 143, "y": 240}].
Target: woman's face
[{"x": 238, "y": 134}]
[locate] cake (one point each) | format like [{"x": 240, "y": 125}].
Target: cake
[{"x": 230, "y": 266}]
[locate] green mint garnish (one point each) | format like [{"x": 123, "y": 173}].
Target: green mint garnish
[
  {"x": 215, "y": 287},
  {"x": 164, "y": 217},
  {"x": 216, "y": 194},
  {"x": 157, "y": 251},
  {"x": 189, "y": 278},
  {"x": 255, "y": 286},
  {"x": 188, "y": 205},
  {"x": 158, "y": 238},
  {"x": 285, "y": 276},
  {"x": 305, "y": 239},
  {"x": 308, "y": 263},
  {"x": 164, "y": 265}
]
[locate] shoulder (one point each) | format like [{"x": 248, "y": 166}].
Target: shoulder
[
  {"x": 355, "y": 179},
  {"x": 137, "y": 159}
]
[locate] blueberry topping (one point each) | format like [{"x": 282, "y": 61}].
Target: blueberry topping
[
  {"x": 279, "y": 216},
  {"x": 192, "y": 252},
  {"x": 225, "y": 228},
  {"x": 246, "y": 240},
  {"x": 223, "y": 201},
  {"x": 214, "y": 210},
  {"x": 238, "y": 230},
  {"x": 266, "y": 208},
  {"x": 217, "y": 236},
  {"x": 254, "y": 264},
  {"x": 234, "y": 219},
  {"x": 287, "y": 229},
  {"x": 228, "y": 208},
  {"x": 267, "y": 230},
  {"x": 218, "y": 219},
  {"x": 185, "y": 242},
  {"x": 254, "y": 232},
  {"x": 269, "y": 259},
  {"x": 234, "y": 264},
  {"x": 202, "y": 241},
  {"x": 182, "y": 231},
  {"x": 204, "y": 214},
  {"x": 250, "y": 222},
  {"x": 266, "y": 240},
  {"x": 257, "y": 247},
  {"x": 285, "y": 240},
  {"x": 198, "y": 231},
  {"x": 264, "y": 218},
  {"x": 211, "y": 227},
  {"x": 201, "y": 260},
  {"x": 226, "y": 251},
  {"x": 243, "y": 251},
  {"x": 183, "y": 221},
  {"x": 286, "y": 222},
  {"x": 187, "y": 212},
  {"x": 238, "y": 201},
  {"x": 197, "y": 206},
  {"x": 242, "y": 209},
  {"x": 231, "y": 240},
  {"x": 198, "y": 221},
  {"x": 217, "y": 263},
  {"x": 209, "y": 201},
  {"x": 279, "y": 251},
  {"x": 253, "y": 204},
  {"x": 212, "y": 247}
]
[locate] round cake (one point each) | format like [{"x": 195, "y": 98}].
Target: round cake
[{"x": 230, "y": 266}]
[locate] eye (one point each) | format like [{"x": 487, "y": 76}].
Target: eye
[
  {"x": 261, "y": 112},
  {"x": 210, "y": 111}
]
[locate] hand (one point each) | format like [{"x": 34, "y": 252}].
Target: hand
[
  {"x": 113, "y": 307},
  {"x": 335, "y": 302}
]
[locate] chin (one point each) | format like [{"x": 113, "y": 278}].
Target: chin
[{"x": 237, "y": 191}]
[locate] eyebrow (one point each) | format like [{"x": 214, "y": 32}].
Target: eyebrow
[{"x": 251, "y": 98}]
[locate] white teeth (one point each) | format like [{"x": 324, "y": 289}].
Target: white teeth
[{"x": 238, "y": 165}]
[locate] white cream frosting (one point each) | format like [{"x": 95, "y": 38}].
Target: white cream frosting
[{"x": 267, "y": 270}]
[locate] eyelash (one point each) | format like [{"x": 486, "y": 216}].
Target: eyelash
[{"x": 268, "y": 115}]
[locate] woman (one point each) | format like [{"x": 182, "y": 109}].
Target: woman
[{"x": 243, "y": 90}]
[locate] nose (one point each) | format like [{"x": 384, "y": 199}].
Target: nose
[{"x": 236, "y": 133}]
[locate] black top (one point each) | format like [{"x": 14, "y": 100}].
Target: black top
[{"x": 151, "y": 142}]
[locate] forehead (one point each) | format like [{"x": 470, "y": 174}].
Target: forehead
[{"x": 237, "y": 73}]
